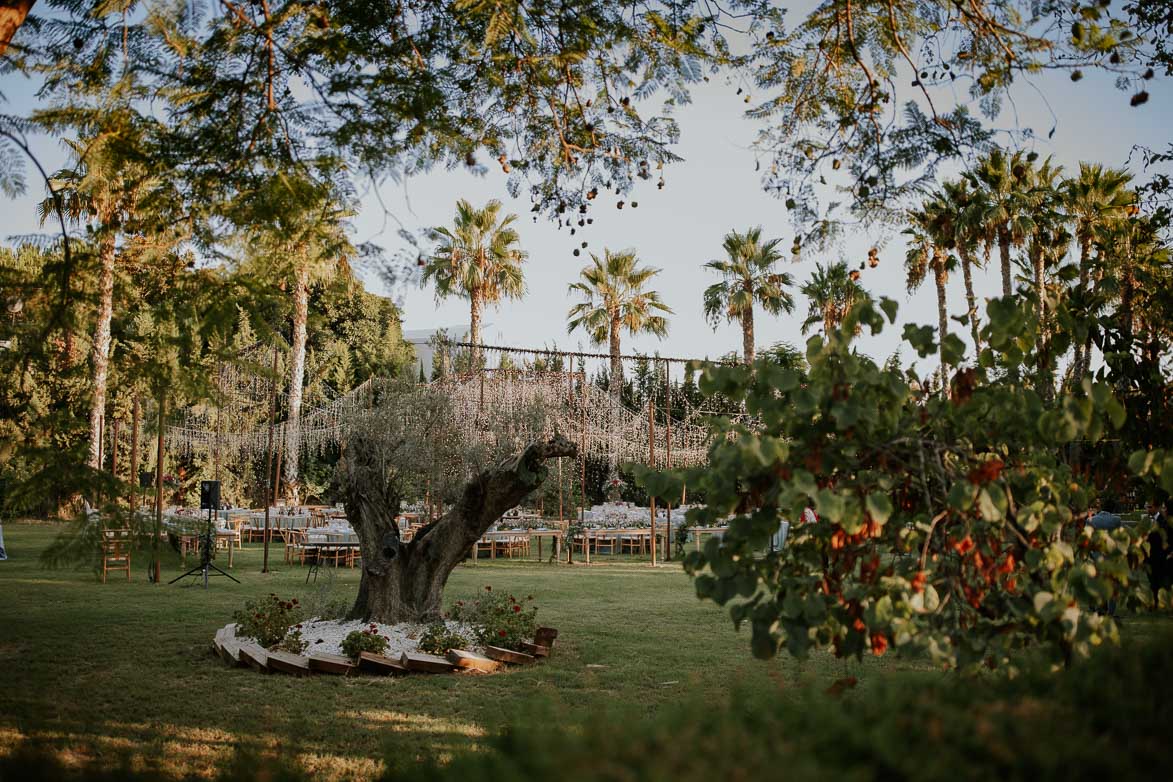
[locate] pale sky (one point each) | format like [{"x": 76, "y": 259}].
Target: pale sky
[{"x": 714, "y": 190}]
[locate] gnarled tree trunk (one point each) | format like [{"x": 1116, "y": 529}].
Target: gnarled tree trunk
[
  {"x": 301, "y": 298},
  {"x": 404, "y": 582}
]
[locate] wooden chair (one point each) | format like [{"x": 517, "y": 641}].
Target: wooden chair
[{"x": 115, "y": 552}]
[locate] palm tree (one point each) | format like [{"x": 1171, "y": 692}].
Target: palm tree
[
  {"x": 1046, "y": 247},
  {"x": 966, "y": 206},
  {"x": 614, "y": 300},
  {"x": 832, "y": 291},
  {"x": 1006, "y": 213},
  {"x": 295, "y": 223},
  {"x": 931, "y": 231},
  {"x": 100, "y": 190},
  {"x": 748, "y": 276},
  {"x": 1095, "y": 199},
  {"x": 479, "y": 257}
]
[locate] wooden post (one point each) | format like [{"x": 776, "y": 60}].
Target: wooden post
[
  {"x": 269, "y": 461},
  {"x": 652, "y": 465},
  {"x": 158, "y": 568},
  {"x": 668, "y": 456},
  {"x": 280, "y": 454},
  {"x": 582, "y": 475},
  {"x": 134, "y": 429},
  {"x": 219, "y": 420}
]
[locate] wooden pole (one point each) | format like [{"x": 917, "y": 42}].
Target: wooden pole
[
  {"x": 135, "y": 411},
  {"x": 269, "y": 461},
  {"x": 280, "y": 455},
  {"x": 219, "y": 420},
  {"x": 560, "y": 488},
  {"x": 158, "y": 568},
  {"x": 668, "y": 457},
  {"x": 581, "y": 473},
  {"x": 652, "y": 465}
]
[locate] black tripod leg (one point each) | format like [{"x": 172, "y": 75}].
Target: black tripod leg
[{"x": 221, "y": 572}]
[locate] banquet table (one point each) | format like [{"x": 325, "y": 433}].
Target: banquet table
[{"x": 492, "y": 537}]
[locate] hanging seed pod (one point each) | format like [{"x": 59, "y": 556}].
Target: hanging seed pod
[
  {"x": 1139, "y": 99},
  {"x": 594, "y": 191},
  {"x": 572, "y": 231},
  {"x": 506, "y": 168},
  {"x": 590, "y": 220},
  {"x": 791, "y": 203},
  {"x": 660, "y": 185},
  {"x": 581, "y": 223},
  {"x": 836, "y": 163},
  {"x": 634, "y": 204},
  {"x": 619, "y": 205},
  {"x": 584, "y": 244},
  {"x": 577, "y": 252},
  {"x": 854, "y": 275}
]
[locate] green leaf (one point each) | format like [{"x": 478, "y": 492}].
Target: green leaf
[
  {"x": 987, "y": 505},
  {"x": 890, "y": 307},
  {"x": 879, "y": 507},
  {"x": 953, "y": 350}
]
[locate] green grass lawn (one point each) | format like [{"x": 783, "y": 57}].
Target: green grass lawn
[{"x": 124, "y": 670}]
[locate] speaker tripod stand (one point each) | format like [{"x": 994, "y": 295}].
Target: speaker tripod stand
[{"x": 207, "y": 545}]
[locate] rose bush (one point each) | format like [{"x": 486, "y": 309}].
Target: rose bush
[
  {"x": 500, "y": 619},
  {"x": 273, "y": 622}
]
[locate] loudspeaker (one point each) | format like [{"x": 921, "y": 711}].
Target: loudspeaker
[{"x": 209, "y": 495}]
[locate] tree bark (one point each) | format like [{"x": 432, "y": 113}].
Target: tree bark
[
  {"x": 1004, "y": 251},
  {"x": 474, "y": 330},
  {"x": 100, "y": 356},
  {"x": 301, "y": 298},
  {"x": 1085, "y": 251},
  {"x": 970, "y": 299},
  {"x": 404, "y": 582},
  {"x": 135, "y": 412},
  {"x": 12, "y": 16},
  {"x": 747, "y": 337},
  {"x": 940, "y": 277},
  {"x": 616, "y": 361}
]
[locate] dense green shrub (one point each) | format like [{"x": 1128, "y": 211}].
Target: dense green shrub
[
  {"x": 367, "y": 640},
  {"x": 438, "y": 639},
  {"x": 500, "y": 619},
  {"x": 273, "y": 622},
  {"x": 948, "y": 523}
]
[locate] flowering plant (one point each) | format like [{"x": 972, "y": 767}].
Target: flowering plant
[
  {"x": 500, "y": 619},
  {"x": 438, "y": 639},
  {"x": 273, "y": 622},
  {"x": 365, "y": 640}
]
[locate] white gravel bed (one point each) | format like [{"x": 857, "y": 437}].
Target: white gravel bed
[{"x": 327, "y": 635}]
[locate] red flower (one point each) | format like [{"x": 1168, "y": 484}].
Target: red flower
[
  {"x": 918, "y": 581},
  {"x": 501, "y": 633},
  {"x": 859, "y": 625},
  {"x": 516, "y": 609},
  {"x": 879, "y": 644},
  {"x": 964, "y": 546}
]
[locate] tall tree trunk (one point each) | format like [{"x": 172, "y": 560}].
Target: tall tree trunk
[
  {"x": 1004, "y": 251},
  {"x": 970, "y": 299},
  {"x": 404, "y": 582},
  {"x": 940, "y": 277},
  {"x": 301, "y": 301},
  {"x": 1085, "y": 252},
  {"x": 100, "y": 356},
  {"x": 1046, "y": 382},
  {"x": 135, "y": 413},
  {"x": 616, "y": 361},
  {"x": 747, "y": 340},
  {"x": 474, "y": 330},
  {"x": 12, "y": 16}
]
